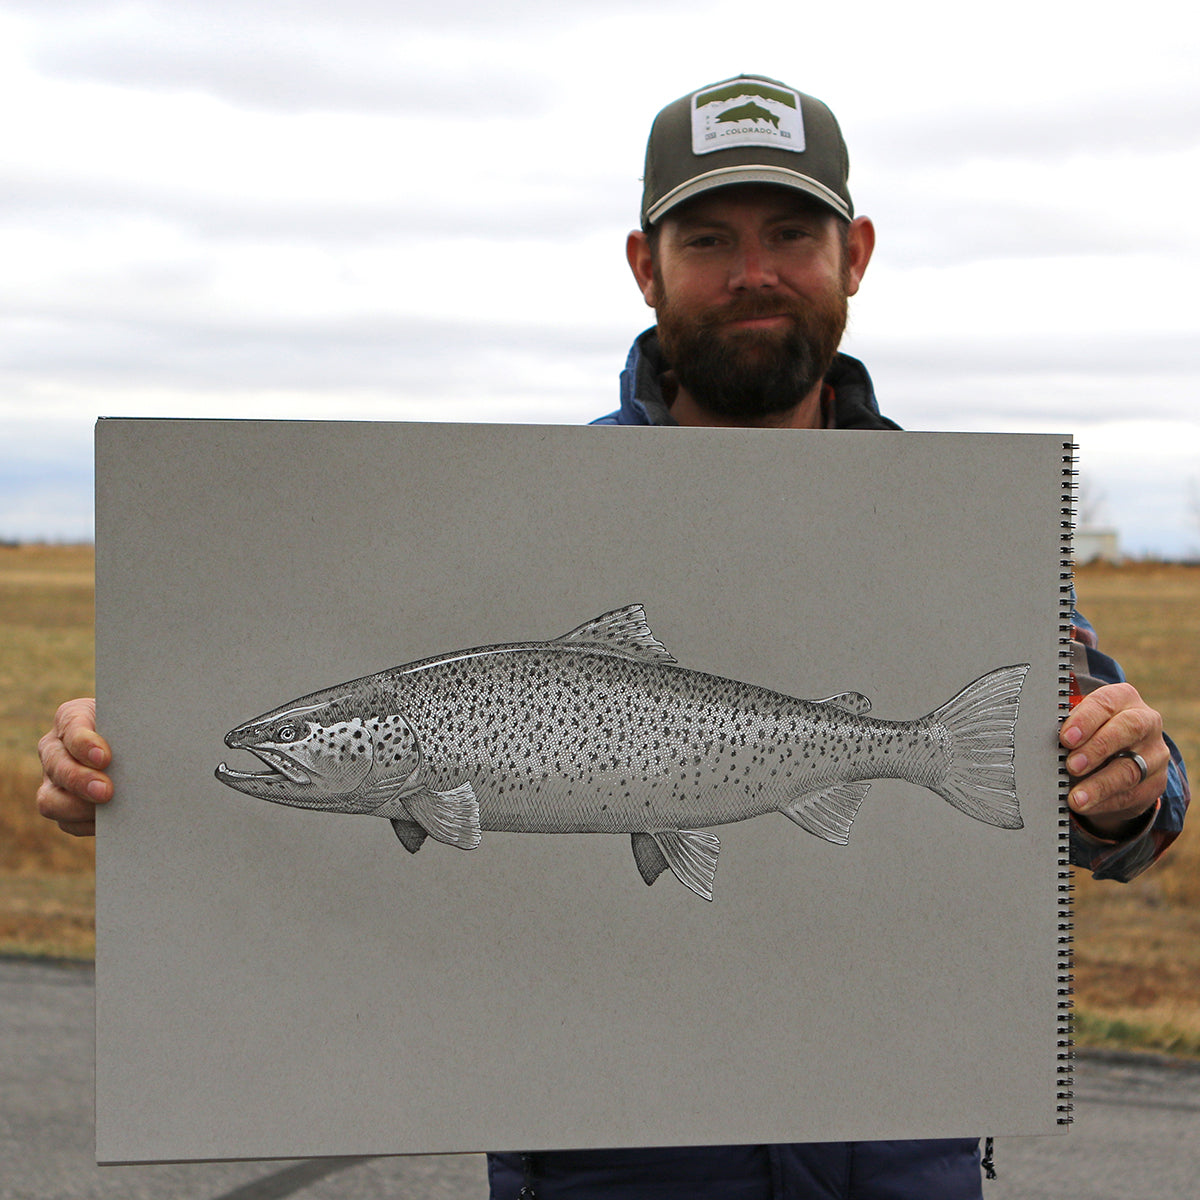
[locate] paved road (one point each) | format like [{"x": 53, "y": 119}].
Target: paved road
[{"x": 1136, "y": 1136}]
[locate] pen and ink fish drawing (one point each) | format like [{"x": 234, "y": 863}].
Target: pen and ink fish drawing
[{"x": 601, "y": 731}]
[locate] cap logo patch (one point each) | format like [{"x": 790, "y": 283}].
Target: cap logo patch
[{"x": 746, "y": 112}]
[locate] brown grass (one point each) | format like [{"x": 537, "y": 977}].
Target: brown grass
[
  {"x": 1137, "y": 946},
  {"x": 46, "y": 878}
]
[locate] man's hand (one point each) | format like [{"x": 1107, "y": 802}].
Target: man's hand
[
  {"x": 74, "y": 757},
  {"x": 1107, "y": 792}
]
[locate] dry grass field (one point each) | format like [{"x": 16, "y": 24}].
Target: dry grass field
[
  {"x": 46, "y": 878},
  {"x": 1137, "y": 947}
]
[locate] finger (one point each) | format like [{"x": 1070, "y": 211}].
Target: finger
[
  {"x": 75, "y": 725},
  {"x": 78, "y": 828},
  {"x": 63, "y": 773},
  {"x": 1097, "y": 707},
  {"x": 1140, "y": 736},
  {"x": 72, "y": 814},
  {"x": 1119, "y": 720},
  {"x": 1117, "y": 788}
]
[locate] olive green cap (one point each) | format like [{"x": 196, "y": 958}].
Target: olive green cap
[{"x": 745, "y": 130}]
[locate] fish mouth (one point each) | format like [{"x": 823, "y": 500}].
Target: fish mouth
[{"x": 280, "y": 768}]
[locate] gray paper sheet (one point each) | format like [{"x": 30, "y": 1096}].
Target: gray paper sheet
[{"x": 278, "y": 981}]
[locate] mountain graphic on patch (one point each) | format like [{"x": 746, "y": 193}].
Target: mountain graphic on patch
[{"x": 745, "y": 112}]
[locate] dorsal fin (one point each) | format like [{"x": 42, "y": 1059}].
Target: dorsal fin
[{"x": 623, "y": 631}]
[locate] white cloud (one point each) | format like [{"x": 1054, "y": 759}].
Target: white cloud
[
  {"x": 241, "y": 58},
  {"x": 372, "y": 209}
]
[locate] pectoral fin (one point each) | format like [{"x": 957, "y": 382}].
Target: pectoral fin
[
  {"x": 828, "y": 813},
  {"x": 451, "y": 817},
  {"x": 692, "y": 856},
  {"x": 411, "y": 834}
]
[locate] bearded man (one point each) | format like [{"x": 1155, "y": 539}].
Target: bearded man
[{"x": 750, "y": 287}]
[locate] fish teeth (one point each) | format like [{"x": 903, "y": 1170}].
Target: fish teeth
[
  {"x": 279, "y": 766},
  {"x": 282, "y": 765}
]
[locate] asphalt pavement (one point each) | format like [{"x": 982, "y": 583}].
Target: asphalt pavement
[{"x": 1136, "y": 1134}]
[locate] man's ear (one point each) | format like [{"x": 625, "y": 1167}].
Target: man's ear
[
  {"x": 860, "y": 244},
  {"x": 641, "y": 263}
]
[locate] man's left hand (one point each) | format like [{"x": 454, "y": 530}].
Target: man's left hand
[{"x": 1107, "y": 791}]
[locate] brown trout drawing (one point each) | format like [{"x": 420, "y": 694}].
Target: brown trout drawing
[
  {"x": 748, "y": 112},
  {"x": 600, "y": 731}
]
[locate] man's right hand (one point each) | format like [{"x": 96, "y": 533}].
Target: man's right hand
[{"x": 74, "y": 757}]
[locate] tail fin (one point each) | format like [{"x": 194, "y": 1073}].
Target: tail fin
[{"x": 980, "y": 724}]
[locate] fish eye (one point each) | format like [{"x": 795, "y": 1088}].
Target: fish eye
[{"x": 287, "y": 733}]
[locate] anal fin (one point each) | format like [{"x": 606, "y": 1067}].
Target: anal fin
[
  {"x": 828, "y": 813},
  {"x": 692, "y": 856}
]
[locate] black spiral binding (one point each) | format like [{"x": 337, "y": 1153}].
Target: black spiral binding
[{"x": 1065, "y": 1066}]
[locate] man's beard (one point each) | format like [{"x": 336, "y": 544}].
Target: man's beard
[{"x": 747, "y": 374}]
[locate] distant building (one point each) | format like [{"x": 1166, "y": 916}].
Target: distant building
[{"x": 1094, "y": 543}]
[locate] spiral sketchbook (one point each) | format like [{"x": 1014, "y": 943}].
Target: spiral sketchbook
[{"x": 520, "y": 787}]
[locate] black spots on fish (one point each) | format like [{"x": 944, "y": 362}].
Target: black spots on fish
[
  {"x": 351, "y": 747},
  {"x": 391, "y": 741},
  {"x": 888, "y": 744},
  {"x": 512, "y": 786},
  {"x": 600, "y": 726}
]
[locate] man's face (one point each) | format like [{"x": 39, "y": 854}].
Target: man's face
[{"x": 750, "y": 286}]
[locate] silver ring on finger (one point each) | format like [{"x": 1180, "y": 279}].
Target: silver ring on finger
[{"x": 1137, "y": 760}]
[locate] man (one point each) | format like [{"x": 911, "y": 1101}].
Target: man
[{"x": 748, "y": 252}]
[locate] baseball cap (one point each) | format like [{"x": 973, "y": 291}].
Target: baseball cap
[{"x": 749, "y": 129}]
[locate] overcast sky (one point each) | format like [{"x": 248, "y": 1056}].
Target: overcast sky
[{"x": 372, "y": 209}]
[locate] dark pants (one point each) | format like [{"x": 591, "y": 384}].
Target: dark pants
[{"x": 924, "y": 1170}]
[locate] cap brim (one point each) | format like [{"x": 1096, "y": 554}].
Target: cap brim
[{"x": 728, "y": 176}]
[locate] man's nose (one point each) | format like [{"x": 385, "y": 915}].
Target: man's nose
[{"x": 753, "y": 268}]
